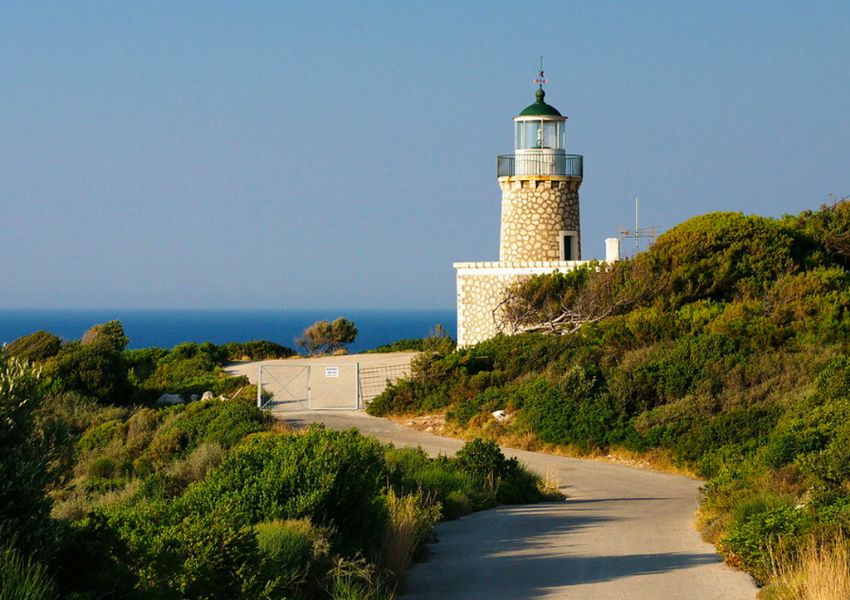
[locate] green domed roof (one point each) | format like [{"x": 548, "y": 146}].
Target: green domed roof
[{"x": 540, "y": 108}]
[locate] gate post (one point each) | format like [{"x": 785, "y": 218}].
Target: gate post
[
  {"x": 357, "y": 386},
  {"x": 260, "y": 387},
  {"x": 309, "y": 393}
]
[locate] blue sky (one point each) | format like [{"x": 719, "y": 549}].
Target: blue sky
[{"x": 312, "y": 155}]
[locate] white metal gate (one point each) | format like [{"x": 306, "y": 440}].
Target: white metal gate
[
  {"x": 283, "y": 387},
  {"x": 342, "y": 386}
]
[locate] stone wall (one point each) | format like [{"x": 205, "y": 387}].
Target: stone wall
[
  {"x": 480, "y": 290},
  {"x": 535, "y": 210}
]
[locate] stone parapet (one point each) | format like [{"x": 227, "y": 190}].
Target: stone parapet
[{"x": 549, "y": 265}]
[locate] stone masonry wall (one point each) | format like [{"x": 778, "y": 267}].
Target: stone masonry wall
[
  {"x": 480, "y": 290},
  {"x": 535, "y": 210}
]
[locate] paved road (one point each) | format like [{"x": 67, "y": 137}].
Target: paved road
[{"x": 623, "y": 534}]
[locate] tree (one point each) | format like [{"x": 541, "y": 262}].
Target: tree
[
  {"x": 324, "y": 337},
  {"x": 109, "y": 334},
  {"x": 562, "y": 303}
]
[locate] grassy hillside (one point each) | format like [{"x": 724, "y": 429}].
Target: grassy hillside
[
  {"x": 723, "y": 349},
  {"x": 105, "y": 495}
]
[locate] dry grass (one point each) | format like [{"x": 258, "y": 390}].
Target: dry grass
[
  {"x": 278, "y": 425},
  {"x": 78, "y": 504},
  {"x": 551, "y": 482},
  {"x": 820, "y": 571},
  {"x": 411, "y": 518},
  {"x": 194, "y": 467}
]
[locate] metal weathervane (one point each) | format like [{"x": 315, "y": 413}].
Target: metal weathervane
[{"x": 541, "y": 80}]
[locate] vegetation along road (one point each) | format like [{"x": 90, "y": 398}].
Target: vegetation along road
[{"x": 623, "y": 533}]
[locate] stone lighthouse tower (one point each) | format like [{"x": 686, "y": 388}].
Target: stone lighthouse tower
[
  {"x": 540, "y": 229},
  {"x": 539, "y": 182}
]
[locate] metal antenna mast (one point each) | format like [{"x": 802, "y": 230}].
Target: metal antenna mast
[{"x": 638, "y": 233}]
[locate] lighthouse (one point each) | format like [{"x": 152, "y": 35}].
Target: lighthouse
[
  {"x": 539, "y": 183},
  {"x": 540, "y": 225}
]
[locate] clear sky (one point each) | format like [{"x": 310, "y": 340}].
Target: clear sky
[{"x": 320, "y": 154}]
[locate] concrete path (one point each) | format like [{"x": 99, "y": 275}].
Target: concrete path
[{"x": 622, "y": 534}]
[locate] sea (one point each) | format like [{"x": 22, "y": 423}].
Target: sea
[{"x": 167, "y": 328}]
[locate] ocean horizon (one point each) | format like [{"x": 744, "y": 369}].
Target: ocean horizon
[{"x": 168, "y": 327}]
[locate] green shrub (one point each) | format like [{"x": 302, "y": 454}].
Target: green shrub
[
  {"x": 406, "y": 345},
  {"x": 482, "y": 458},
  {"x": 489, "y": 400},
  {"x": 784, "y": 446},
  {"x": 505, "y": 479},
  {"x": 321, "y": 475},
  {"x": 95, "y": 370},
  {"x": 410, "y": 470},
  {"x": 35, "y": 347},
  {"x": 745, "y": 429},
  {"x": 188, "y": 369},
  {"x": 167, "y": 445},
  {"x": 102, "y": 467},
  {"x": 574, "y": 410},
  {"x": 213, "y": 421},
  {"x": 758, "y": 528},
  {"x": 718, "y": 256},
  {"x": 218, "y": 556},
  {"x": 100, "y": 436},
  {"x": 256, "y": 350}
]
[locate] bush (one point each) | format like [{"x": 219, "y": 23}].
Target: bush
[
  {"x": 489, "y": 400},
  {"x": 757, "y": 531},
  {"x": 188, "y": 369},
  {"x": 96, "y": 370},
  {"x": 411, "y": 471},
  {"x": 102, "y": 468},
  {"x": 573, "y": 410},
  {"x": 482, "y": 458},
  {"x": 256, "y": 350},
  {"x": 718, "y": 256},
  {"x": 321, "y": 475},
  {"x": 35, "y": 347},
  {"x": 223, "y": 422}
]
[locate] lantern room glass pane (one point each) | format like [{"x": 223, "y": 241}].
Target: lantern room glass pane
[
  {"x": 550, "y": 134},
  {"x": 532, "y": 134}
]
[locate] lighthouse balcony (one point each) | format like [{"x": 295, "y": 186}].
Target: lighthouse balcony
[{"x": 544, "y": 163}]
